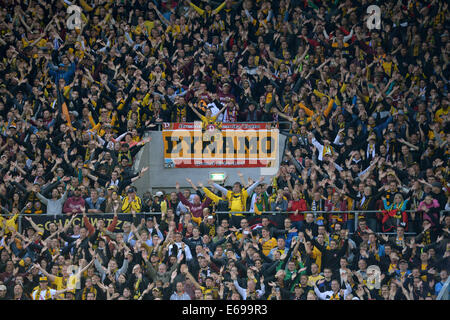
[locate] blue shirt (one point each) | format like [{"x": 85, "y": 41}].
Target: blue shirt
[
  {"x": 438, "y": 287},
  {"x": 97, "y": 205}
]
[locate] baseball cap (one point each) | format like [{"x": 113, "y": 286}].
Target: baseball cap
[
  {"x": 131, "y": 189},
  {"x": 159, "y": 194},
  {"x": 2, "y": 287},
  {"x": 43, "y": 279}
]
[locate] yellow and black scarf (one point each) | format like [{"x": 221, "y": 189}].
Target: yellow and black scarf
[
  {"x": 48, "y": 295},
  {"x": 86, "y": 291}
]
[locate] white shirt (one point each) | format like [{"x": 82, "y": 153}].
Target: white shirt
[
  {"x": 187, "y": 250},
  {"x": 43, "y": 293},
  {"x": 252, "y": 203},
  {"x": 327, "y": 294}
]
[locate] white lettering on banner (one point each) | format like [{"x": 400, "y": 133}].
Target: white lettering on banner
[{"x": 229, "y": 146}]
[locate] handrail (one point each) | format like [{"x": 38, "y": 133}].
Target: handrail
[{"x": 220, "y": 213}]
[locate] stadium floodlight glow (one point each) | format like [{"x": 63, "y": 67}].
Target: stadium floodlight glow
[{"x": 217, "y": 176}]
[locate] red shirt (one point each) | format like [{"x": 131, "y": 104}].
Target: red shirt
[{"x": 299, "y": 205}]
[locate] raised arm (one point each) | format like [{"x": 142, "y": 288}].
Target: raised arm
[
  {"x": 43, "y": 199},
  {"x": 321, "y": 295},
  {"x": 253, "y": 186},
  {"x": 34, "y": 225},
  {"x": 212, "y": 196},
  {"x": 190, "y": 277},
  {"x": 51, "y": 277},
  {"x": 221, "y": 110},
  {"x": 220, "y": 7},
  {"x": 241, "y": 178},
  {"x": 200, "y": 11},
  {"x": 284, "y": 116},
  {"x": 195, "y": 111},
  {"x": 141, "y": 173},
  {"x": 87, "y": 266},
  {"x": 163, "y": 19},
  {"x": 220, "y": 188},
  {"x": 192, "y": 184}
]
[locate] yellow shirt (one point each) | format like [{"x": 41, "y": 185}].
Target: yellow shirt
[
  {"x": 439, "y": 113},
  {"x": 313, "y": 279},
  {"x": 237, "y": 201},
  {"x": 208, "y": 121},
  {"x": 212, "y": 196},
  {"x": 317, "y": 255},
  {"x": 423, "y": 267},
  {"x": 214, "y": 291},
  {"x": 59, "y": 284},
  {"x": 268, "y": 245},
  {"x": 163, "y": 205},
  {"x": 135, "y": 204},
  {"x": 8, "y": 224}
]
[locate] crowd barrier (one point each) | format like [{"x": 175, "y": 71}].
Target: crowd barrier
[{"x": 275, "y": 217}]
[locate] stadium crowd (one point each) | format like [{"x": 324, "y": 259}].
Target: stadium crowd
[{"x": 368, "y": 113}]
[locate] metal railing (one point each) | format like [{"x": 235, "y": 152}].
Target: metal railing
[
  {"x": 316, "y": 214},
  {"x": 219, "y": 215},
  {"x": 60, "y": 217}
]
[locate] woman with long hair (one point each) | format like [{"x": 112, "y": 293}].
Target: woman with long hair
[{"x": 113, "y": 203}]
